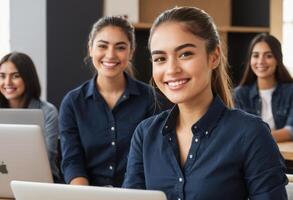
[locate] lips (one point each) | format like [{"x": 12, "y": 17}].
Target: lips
[
  {"x": 10, "y": 90},
  {"x": 176, "y": 84},
  {"x": 109, "y": 64}
]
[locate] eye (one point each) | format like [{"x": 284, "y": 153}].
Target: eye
[
  {"x": 269, "y": 55},
  {"x": 15, "y": 76},
  {"x": 102, "y": 46},
  {"x": 158, "y": 59},
  {"x": 121, "y": 48},
  {"x": 186, "y": 54},
  {"x": 2, "y": 76},
  {"x": 254, "y": 55}
]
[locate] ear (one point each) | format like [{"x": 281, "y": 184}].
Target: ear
[
  {"x": 214, "y": 58},
  {"x": 131, "y": 54}
]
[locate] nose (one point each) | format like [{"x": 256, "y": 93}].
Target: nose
[
  {"x": 110, "y": 53},
  {"x": 261, "y": 59},
  {"x": 7, "y": 80},
  {"x": 173, "y": 66}
]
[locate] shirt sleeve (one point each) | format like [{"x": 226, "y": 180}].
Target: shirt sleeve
[
  {"x": 289, "y": 123},
  {"x": 73, "y": 158},
  {"x": 264, "y": 168},
  {"x": 51, "y": 135},
  {"x": 134, "y": 177}
]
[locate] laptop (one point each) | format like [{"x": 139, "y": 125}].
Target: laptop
[
  {"x": 22, "y": 116},
  {"x": 23, "y": 156},
  {"x": 46, "y": 191}
]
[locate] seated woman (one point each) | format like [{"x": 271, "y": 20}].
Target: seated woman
[
  {"x": 266, "y": 88},
  {"x": 20, "y": 88},
  {"x": 98, "y": 118},
  {"x": 202, "y": 148}
]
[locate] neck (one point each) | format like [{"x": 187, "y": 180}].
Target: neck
[
  {"x": 264, "y": 84},
  {"x": 190, "y": 113},
  {"x": 19, "y": 103},
  {"x": 111, "y": 85}
]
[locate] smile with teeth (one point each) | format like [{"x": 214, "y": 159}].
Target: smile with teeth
[
  {"x": 10, "y": 90},
  {"x": 109, "y": 64},
  {"x": 176, "y": 83}
]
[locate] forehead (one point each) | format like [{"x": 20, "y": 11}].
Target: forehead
[
  {"x": 261, "y": 47},
  {"x": 8, "y": 67},
  {"x": 172, "y": 34},
  {"x": 111, "y": 34}
]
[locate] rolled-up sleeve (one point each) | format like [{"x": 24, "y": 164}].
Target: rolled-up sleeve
[
  {"x": 134, "y": 177},
  {"x": 264, "y": 168},
  {"x": 73, "y": 159}
]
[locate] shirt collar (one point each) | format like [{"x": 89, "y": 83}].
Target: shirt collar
[
  {"x": 207, "y": 122},
  {"x": 255, "y": 93},
  {"x": 131, "y": 87}
]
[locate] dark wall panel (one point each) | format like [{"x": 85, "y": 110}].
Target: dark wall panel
[{"x": 68, "y": 25}]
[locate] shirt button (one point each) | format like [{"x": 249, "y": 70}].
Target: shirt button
[
  {"x": 190, "y": 156},
  {"x": 124, "y": 96},
  {"x": 180, "y": 179},
  {"x": 206, "y": 132},
  {"x": 179, "y": 198},
  {"x": 112, "y": 128},
  {"x": 196, "y": 140},
  {"x": 111, "y": 167},
  {"x": 166, "y": 126},
  {"x": 170, "y": 139},
  {"x": 113, "y": 143}
]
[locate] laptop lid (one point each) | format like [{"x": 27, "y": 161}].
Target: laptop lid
[
  {"x": 22, "y": 116},
  {"x": 47, "y": 191},
  {"x": 23, "y": 156}
]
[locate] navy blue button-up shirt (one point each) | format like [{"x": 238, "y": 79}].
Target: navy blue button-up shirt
[
  {"x": 232, "y": 156},
  {"x": 95, "y": 139},
  {"x": 247, "y": 98}
]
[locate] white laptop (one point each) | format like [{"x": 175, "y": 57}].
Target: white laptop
[
  {"x": 22, "y": 116},
  {"x": 46, "y": 191},
  {"x": 23, "y": 156}
]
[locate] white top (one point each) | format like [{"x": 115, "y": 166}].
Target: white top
[{"x": 266, "y": 108}]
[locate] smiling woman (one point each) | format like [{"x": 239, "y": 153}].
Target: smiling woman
[
  {"x": 201, "y": 148},
  {"x": 20, "y": 88},
  {"x": 98, "y": 118}
]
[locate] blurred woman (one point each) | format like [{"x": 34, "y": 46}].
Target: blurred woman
[
  {"x": 266, "y": 88},
  {"x": 20, "y": 88}
]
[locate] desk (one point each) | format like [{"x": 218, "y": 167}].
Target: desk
[{"x": 286, "y": 149}]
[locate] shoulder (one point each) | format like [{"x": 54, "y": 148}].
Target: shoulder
[
  {"x": 243, "y": 90},
  {"x": 246, "y": 124},
  {"x": 76, "y": 93},
  {"x": 143, "y": 87},
  {"x": 49, "y": 109},
  {"x": 286, "y": 87}
]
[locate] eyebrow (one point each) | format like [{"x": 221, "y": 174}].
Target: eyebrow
[
  {"x": 176, "y": 49},
  {"x": 266, "y": 52},
  {"x": 118, "y": 43}
]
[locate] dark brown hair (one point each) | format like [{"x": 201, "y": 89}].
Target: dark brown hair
[
  {"x": 200, "y": 24},
  {"x": 28, "y": 73},
  {"x": 281, "y": 74}
]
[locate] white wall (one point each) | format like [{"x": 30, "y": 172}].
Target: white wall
[
  {"x": 28, "y": 34},
  {"x": 287, "y": 34},
  {"x": 4, "y": 28}
]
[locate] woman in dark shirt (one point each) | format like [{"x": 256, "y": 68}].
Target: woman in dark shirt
[
  {"x": 98, "y": 118},
  {"x": 266, "y": 88},
  {"x": 200, "y": 149}
]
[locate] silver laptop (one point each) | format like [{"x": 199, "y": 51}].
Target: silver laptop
[
  {"x": 47, "y": 191},
  {"x": 22, "y": 116},
  {"x": 23, "y": 156}
]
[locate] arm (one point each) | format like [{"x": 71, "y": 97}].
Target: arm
[
  {"x": 282, "y": 135},
  {"x": 51, "y": 135},
  {"x": 264, "y": 169},
  {"x": 73, "y": 158},
  {"x": 134, "y": 177}
]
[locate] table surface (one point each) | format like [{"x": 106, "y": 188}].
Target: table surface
[{"x": 286, "y": 149}]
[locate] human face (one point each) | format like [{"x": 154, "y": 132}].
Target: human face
[
  {"x": 181, "y": 66},
  {"x": 12, "y": 85},
  {"x": 110, "y": 52},
  {"x": 263, "y": 63}
]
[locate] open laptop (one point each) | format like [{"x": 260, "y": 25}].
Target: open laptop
[
  {"x": 23, "y": 156},
  {"x": 47, "y": 191},
  {"x": 22, "y": 116}
]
